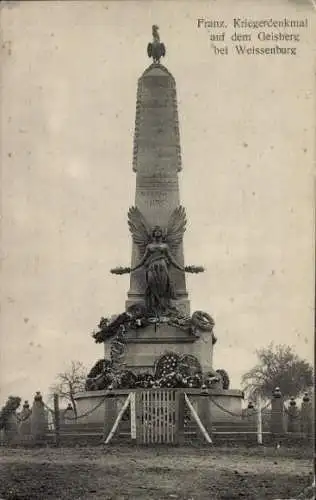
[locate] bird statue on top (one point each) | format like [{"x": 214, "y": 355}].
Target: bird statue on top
[{"x": 156, "y": 49}]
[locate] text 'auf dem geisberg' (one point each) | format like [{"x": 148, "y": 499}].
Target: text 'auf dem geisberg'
[{"x": 245, "y": 36}]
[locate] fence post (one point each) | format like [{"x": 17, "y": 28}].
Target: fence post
[
  {"x": 293, "y": 416},
  {"x": 204, "y": 411},
  {"x": 11, "y": 429},
  {"x": 133, "y": 417},
  {"x": 181, "y": 407},
  {"x": 110, "y": 413},
  {"x": 57, "y": 419},
  {"x": 198, "y": 420},
  {"x": 69, "y": 415},
  {"x": 250, "y": 413},
  {"x": 139, "y": 417},
  {"x": 259, "y": 420},
  {"x": 39, "y": 425},
  {"x": 25, "y": 422},
  {"x": 306, "y": 416},
  {"x": 277, "y": 412},
  {"x": 118, "y": 419}
]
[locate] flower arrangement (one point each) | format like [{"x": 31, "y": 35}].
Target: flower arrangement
[
  {"x": 145, "y": 380},
  {"x": 170, "y": 376},
  {"x": 128, "y": 379},
  {"x": 212, "y": 378},
  {"x": 176, "y": 380},
  {"x": 175, "y": 371},
  {"x": 225, "y": 378},
  {"x": 166, "y": 364}
]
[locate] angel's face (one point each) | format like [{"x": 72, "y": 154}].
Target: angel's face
[{"x": 157, "y": 233}]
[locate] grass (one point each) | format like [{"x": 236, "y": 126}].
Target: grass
[{"x": 126, "y": 472}]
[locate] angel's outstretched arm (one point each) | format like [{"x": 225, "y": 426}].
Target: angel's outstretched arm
[
  {"x": 174, "y": 262},
  {"x": 142, "y": 261}
]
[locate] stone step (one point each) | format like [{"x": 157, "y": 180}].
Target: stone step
[{"x": 232, "y": 428}]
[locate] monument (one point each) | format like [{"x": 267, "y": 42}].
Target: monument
[{"x": 156, "y": 341}]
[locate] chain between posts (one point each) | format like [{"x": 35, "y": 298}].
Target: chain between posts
[
  {"x": 254, "y": 411},
  {"x": 88, "y": 412},
  {"x": 83, "y": 414},
  {"x": 231, "y": 412},
  {"x": 224, "y": 409},
  {"x": 263, "y": 408}
]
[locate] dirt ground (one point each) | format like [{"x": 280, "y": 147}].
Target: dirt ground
[{"x": 158, "y": 473}]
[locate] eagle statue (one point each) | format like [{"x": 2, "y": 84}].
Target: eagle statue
[{"x": 156, "y": 49}]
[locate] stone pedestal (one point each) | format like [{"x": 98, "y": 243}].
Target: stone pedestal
[{"x": 145, "y": 345}]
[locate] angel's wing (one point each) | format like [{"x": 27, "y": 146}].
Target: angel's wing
[
  {"x": 150, "y": 49},
  {"x": 176, "y": 228},
  {"x": 138, "y": 228}
]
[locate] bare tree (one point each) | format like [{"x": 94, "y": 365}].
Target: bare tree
[{"x": 69, "y": 382}]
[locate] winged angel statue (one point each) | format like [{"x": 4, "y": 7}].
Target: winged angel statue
[{"x": 157, "y": 250}]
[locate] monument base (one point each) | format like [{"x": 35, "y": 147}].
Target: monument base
[
  {"x": 217, "y": 402},
  {"x": 145, "y": 345}
]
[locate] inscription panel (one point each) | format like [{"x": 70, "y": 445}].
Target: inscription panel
[
  {"x": 153, "y": 199},
  {"x": 157, "y": 82},
  {"x": 157, "y": 183},
  {"x": 161, "y": 151}
]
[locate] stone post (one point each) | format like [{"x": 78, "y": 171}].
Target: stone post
[
  {"x": 39, "y": 426},
  {"x": 293, "y": 423},
  {"x": 251, "y": 413},
  {"x": 9, "y": 416},
  {"x": 204, "y": 409},
  {"x": 25, "y": 422},
  {"x": 277, "y": 412},
  {"x": 11, "y": 429},
  {"x": 110, "y": 414},
  {"x": 306, "y": 416},
  {"x": 56, "y": 419},
  {"x": 69, "y": 415},
  {"x": 181, "y": 435}
]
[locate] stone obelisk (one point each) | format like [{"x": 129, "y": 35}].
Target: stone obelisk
[
  {"x": 157, "y": 162},
  {"x": 156, "y": 342}
]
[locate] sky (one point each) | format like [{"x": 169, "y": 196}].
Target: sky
[{"x": 247, "y": 130}]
